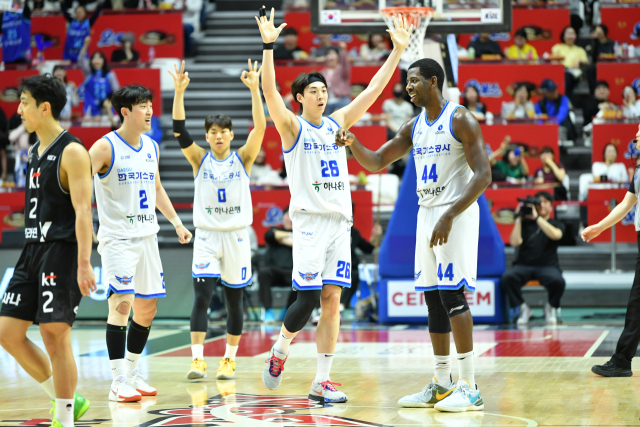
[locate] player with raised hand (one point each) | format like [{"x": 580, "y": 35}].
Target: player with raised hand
[
  {"x": 54, "y": 269},
  {"x": 320, "y": 204},
  {"x": 128, "y": 191},
  {"x": 453, "y": 170},
  {"x": 222, "y": 211}
]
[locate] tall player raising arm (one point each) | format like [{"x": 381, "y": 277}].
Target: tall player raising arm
[
  {"x": 465, "y": 127},
  {"x": 285, "y": 120}
]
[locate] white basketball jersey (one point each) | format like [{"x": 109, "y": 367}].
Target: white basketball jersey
[
  {"x": 441, "y": 166},
  {"x": 317, "y": 170},
  {"x": 126, "y": 193},
  {"x": 222, "y": 198}
]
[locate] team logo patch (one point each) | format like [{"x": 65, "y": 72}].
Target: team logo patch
[
  {"x": 308, "y": 276},
  {"x": 440, "y": 127},
  {"x": 249, "y": 410},
  {"x": 417, "y": 275},
  {"x": 125, "y": 280},
  {"x": 202, "y": 266}
]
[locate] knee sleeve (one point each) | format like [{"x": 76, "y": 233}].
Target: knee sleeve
[
  {"x": 300, "y": 311},
  {"x": 454, "y": 302},
  {"x": 438, "y": 319},
  {"x": 203, "y": 288},
  {"x": 235, "y": 313}
]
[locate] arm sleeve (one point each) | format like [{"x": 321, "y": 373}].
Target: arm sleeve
[
  {"x": 65, "y": 12},
  {"x": 96, "y": 13},
  {"x": 632, "y": 187}
]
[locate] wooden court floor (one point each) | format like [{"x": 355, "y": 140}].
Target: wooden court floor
[{"x": 538, "y": 376}]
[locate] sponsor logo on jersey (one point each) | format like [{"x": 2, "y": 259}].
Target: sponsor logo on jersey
[
  {"x": 36, "y": 175},
  {"x": 338, "y": 186},
  {"x": 432, "y": 150},
  {"x": 209, "y": 209},
  {"x": 131, "y": 217},
  {"x": 433, "y": 192},
  {"x": 11, "y": 298},
  {"x": 135, "y": 177},
  {"x": 440, "y": 131},
  {"x": 149, "y": 158},
  {"x": 308, "y": 276},
  {"x": 49, "y": 279},
  {"x": 141, "y": 218},
  {"x": 208, "y": 174},
  {"x": 202, "y": 265},
  {"x": 417, "y": 275},
  {"x": 125, "y": 280},
  {"x": 124, "y": 158},
  {"x": 51, "y": 157},
  {"x": 249, "y": 409},
  {"x": 240, "y": 239},
  {"x": 317, "y": 147}
]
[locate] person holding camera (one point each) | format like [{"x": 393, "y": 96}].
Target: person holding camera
[
  {"x": 513, "y": 166},
  {"x": 536, "y": 236}
]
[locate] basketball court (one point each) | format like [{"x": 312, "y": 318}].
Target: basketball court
[{"x": 529, "y": 377}]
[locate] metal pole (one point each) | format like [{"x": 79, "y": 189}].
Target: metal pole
[{"x": 613, "y": 240}]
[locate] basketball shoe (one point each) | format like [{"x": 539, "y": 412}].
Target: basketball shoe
[
  {"x": 80, "y": 406},
  {"x": 198, "y": 370},
  {"x": 122, "y": 391},
  {"x": 612, "y": 369},
  {"x": 464, "y": 398},
  {"x": 431, "y": 394},
  {"x": 272, "y": 373},
  {"x": 226, "y": 370},
  {"x": 326, "y": 392},
  {"x": 140, "y": 384}
]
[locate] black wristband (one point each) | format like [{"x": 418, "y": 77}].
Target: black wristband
[
  {"x": 267, "y": 46},
  {"x": 184, "y": 138}
]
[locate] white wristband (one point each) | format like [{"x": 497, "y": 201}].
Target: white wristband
[{"x": 175, "y": 221}]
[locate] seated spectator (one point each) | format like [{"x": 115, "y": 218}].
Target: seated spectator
[
  {"x": 357, "y": 242},
  {"x": 551, "y": 172},
  {"x": 537, "y": 237},
  {"x": 325, "y": 45},
  {"x": 376, "y": 50},
  {"x": 338, "y": 75},
  {"x": 521, "y": 49},
  {"x": 126, "y": 53},
  {"x": 513, "y": 165},
  {"x": 289, "y": 49},
  {"x": 15, "y": 27},
  {"x": 555, "y": 108},
  {"x": 471, "y": 101},
  {"x": 609, "y": 170},
  {"x": 79, "y": 28},
  {"x": 72, "y": 92},
  {"x": 520, "y": 107},
  {"x": 397, "y": 110},
  {"x": 278, "y": 264},
  {"x": 573, "y": 55},
  {"x": 599, "y": 104},
  {"x": 630, "y": 105},
  {"x": 483, "y": 45},
  {"x": 100, "y": 82},
  {"x": 601, "y": 45}
]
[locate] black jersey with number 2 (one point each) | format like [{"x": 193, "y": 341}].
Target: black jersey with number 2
[{"x": 49, "y": 214}]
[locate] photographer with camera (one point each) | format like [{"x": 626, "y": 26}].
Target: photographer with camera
[
  {"x": 513, "y": 166},
  {"x": 536, "y": 237}
]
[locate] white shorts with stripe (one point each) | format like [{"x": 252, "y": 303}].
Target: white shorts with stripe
[{"x": 223, "y": 253}]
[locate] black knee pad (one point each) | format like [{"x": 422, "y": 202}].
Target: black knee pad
[
  {"x": 454, "y": 302},
  {"x": 203, "y": 288},
  {"x": 235, "y": 313},
  {"x": 300, "y": 311},
  {"x": 438, "y": 319}
]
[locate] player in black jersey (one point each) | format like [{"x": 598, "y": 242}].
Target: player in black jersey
[{"x": 54, "y": 269}]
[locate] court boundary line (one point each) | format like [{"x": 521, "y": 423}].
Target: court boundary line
[
  {"x": 596, "y": 344},
  {"x": 160, "y": 353}
]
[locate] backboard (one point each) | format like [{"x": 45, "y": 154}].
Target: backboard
[{"x": 450, "y": 16}]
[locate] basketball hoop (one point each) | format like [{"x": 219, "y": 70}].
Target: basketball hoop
[{"x": 419, "y": 17}]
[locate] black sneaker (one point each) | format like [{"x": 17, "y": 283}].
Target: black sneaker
[{"x": 610, "y": 369}]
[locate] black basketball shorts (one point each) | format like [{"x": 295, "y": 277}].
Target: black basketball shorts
[{"x": 44, "y": 287}]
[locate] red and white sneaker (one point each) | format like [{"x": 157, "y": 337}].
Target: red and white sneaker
[
  {"x": 122, "y": 391},
  {"x": 140, "y": 384},
  {"x": 326, "y": 392}
]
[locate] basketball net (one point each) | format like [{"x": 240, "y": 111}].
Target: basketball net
[{"x": 419, "y": 17}]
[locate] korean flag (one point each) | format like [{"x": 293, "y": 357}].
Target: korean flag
[{"x": 330, "y": 17}]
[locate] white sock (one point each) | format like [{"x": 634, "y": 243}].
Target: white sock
[
  {"x": 230, "y": 352},
  {"x": 64, "y": 412},
  {"x": 281, "y": 347},
  {"x": 466, "y": 369},
  {"x": 47, "y": 385},
  {"x": 442, "y": 369},
  {"x": 117, "y": 368},
  {"x": 131, "y": 362},
  {"x": 324, "y": 367},
  {"x": 197, "y": 351}
]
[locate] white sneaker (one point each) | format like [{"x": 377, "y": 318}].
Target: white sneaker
[
  {"x": 550, "y": 315},
  {"x": 464, "y": 398},
  {"x": 525, "y": 314},
  {"x": 122, "y": 391},
  {"x": 140, "y": 384},
  {"x": 431, "y": 394},
  {"x": 326, "y": 392}
]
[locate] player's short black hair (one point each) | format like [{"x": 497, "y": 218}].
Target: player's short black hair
[
  {"x": 546, "y": 195},
  {"x": 130, "y": 96},
  {"x": 430, "y": 68},
  {"x": 46, "y": 88},
  {"x": 223, "y": 121},
  {"x": 302, "y": 81}
]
